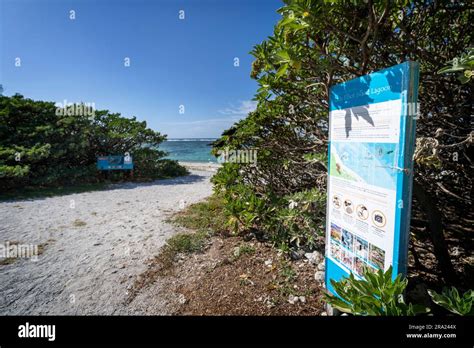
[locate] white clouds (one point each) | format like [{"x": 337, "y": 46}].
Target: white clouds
[
  {"x": 211, "y": 127},
  {"x": 208, "y": 128},
  {"x": 241, "y": 110},
  {"x": 198, "y": 122}
]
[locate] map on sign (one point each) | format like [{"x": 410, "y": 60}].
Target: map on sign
[{"x": 368, "y": 163}]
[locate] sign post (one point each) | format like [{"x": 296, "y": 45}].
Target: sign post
[{"x": 371, "y": 143}]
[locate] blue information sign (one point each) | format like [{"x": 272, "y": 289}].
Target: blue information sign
[
  {"x": 115, "y": 162},
  {"x": 371, "y": 143}
]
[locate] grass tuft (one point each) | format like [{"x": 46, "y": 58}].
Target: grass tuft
[
  {"x": 207, "y": 215},
  {"x": 205, "y": 219},
  {"x": 7, "y": 261},
  {"x": 241, "y": 250},
  {"x": 79, "y": 223}
]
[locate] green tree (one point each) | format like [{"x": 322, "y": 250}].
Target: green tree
[
  {"x": 317, "y": 44},
  {"x": 41, "y": 147}
]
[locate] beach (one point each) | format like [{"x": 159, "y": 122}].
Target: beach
[
  {"x": 93, "y": 245},
  {"x": 210, "y": 166}
]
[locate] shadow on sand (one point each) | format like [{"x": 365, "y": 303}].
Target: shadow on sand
[
  {"x": 182, "y": 180},
  {"x": 42, "y": 193}
]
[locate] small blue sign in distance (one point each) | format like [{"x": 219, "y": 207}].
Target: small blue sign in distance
[{"x": 114, "y": 163}]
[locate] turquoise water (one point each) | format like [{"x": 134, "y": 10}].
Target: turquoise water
[{"x": 189, "y": 150}]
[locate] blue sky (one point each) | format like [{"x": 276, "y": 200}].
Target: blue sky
[{"x": 173, "y": 62}]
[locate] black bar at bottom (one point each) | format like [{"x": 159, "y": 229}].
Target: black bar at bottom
[{"x": 432, "y": 331}]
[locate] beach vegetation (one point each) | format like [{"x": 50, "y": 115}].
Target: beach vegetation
[
  {"x": 7, "y": 261},
  {"x": 451, "y": 300},
  {"x": 79, "y": 223},
  {"x": 187, "y": 242},
  {"x": 242, "y": 249},
  {"x": 203, "y": 216},
  {"x": 377, "y": 294},
  {"x": 181, "y": 244},
  {"x": 315, "y": 45},
  {"x": 203, "y": 220},
  {"x": 41, "y": 148}
]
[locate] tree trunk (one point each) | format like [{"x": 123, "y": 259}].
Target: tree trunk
[{"x": 428, "y": 205}]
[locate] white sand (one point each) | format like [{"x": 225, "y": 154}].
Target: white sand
[
  {"x": 209, "y": 166},
  {"x": 88, "y": 269}
]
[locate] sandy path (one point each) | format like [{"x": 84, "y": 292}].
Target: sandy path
[{"x": 87, "y": 268}]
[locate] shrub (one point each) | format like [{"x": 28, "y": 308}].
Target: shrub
[
  {"x": 290, "y": 221},
  {"x": 377, "y": 295},
  {"x": 39, "y": 147},
  {"x": 317, "y": 44},
  {"x": 453, "y": 302}
]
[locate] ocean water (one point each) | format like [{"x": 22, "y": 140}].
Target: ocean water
[{"x": 189, "y": 150}]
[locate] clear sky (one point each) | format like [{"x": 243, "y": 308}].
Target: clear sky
[{"x": 173, "y": 62}]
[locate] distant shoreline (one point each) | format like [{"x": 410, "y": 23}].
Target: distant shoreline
[
  {"x": 206, "y": 166},
  {"x": 191, "y": 139}
]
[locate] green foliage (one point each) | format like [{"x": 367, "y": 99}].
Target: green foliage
[
  {"x": 291, "y": 220},
  {"x": 41, "y": 147},
  {"x": 463, "y": 66},
  {"x": 376, "y": 295},
  {"x": 453, "y": 302}
]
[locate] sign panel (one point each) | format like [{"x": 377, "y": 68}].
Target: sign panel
[
  {"x": 371, "y": 143},
  {"x": 115, "y": 162}
]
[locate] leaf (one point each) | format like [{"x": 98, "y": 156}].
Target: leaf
[
  {"x": 451, "y": 301},
  {"x": 296, "y": 64},
  {"x": 286, "y": 21},
  {"x": 283, "y": 55},
  {"x": 377, "y": 294},
  {"x": 282, "y": 70},
  {"x": 463, "y": 79},
  {"x": 449, "y": 69}
]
